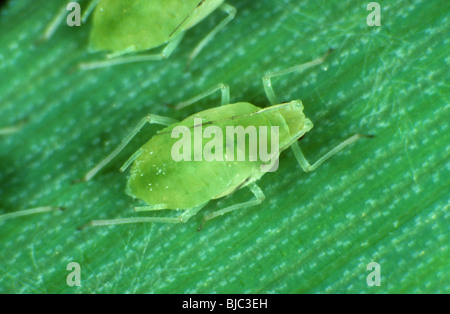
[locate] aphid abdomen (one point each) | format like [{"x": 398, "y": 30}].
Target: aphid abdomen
[{"x": 157, "y": 178}]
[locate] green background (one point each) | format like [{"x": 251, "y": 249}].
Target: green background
[{"x": 382, "y": 200}]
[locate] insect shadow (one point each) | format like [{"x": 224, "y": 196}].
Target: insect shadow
[{"x": 11, "y": 165}]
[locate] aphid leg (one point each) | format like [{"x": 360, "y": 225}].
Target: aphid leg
[
  {"x": 267, "y": 79},
  {"x": 149, "y": 208},
  {"x": 130, "y": 160},
  {"x": 54, "y": 24},
  {"x": 188, "y": 213},
  {"x": 259, "y": 197},
  {"x": 164, "y": 54},
  {"x": 225, "y": 90},
  {"x": 231, "y": 12},
  {"x": 10, "y": 129},
  {"x": 151, "y": 119},
  {"x": 89, "y": 10},
  {"x": 27, "y": 212},
  {"x": 305, "y": 164}
]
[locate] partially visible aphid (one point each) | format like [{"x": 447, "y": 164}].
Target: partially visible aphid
[
  {"x": 163, "y": 183},
  {"x": 124, "y": 28}
]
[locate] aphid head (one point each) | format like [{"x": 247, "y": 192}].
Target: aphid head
[{"x": 295, "y": 119}]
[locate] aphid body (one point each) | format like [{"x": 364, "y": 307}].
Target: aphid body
[{"x": 157, "y": 179}]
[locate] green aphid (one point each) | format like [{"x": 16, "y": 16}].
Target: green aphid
[
  {"x": 163, "y": 183},
  {"x": 125, "y": 28}
]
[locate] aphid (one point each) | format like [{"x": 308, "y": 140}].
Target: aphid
[
  {"x": 124, "y": 28},
  {"x": 163, "y": 183}
]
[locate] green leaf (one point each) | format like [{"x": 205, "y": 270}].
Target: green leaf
[{"x": 382, "y": 200}]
